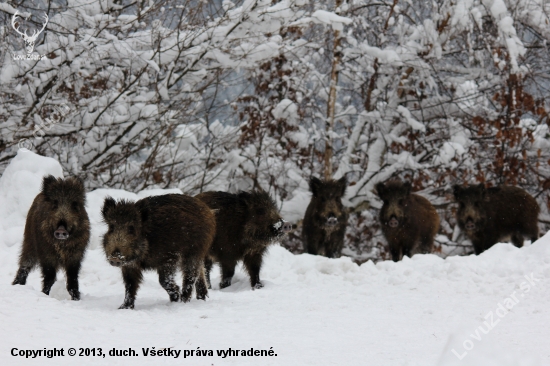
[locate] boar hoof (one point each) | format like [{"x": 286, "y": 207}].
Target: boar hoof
[
  {"x": 75, "y": 295},
  {"x": 186, "y": 294},
  {"x": 225, "y": 283},
  {"x": 126, "y": 306},
  {"x": 257, "y": 286}
]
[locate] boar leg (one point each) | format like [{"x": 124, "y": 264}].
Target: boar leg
[
  {"x": 207, "y": 268},
  {"x": 132, "y": 279},
  {"x": 517, "y": 239},
  {"x": 334, "y": 247},
  {"x": 533, "y": 233},
  {"x": 330, "y": 252},
  {"x": 426, "y": 245},
  {"x": 228, "y": 270},
  {"x": 311, "y": 245},
  {"x": 49, "y": 274},
  {"x": 25, "y": 267},
  {"x": 72, "y": 270},
  {"x": 191, "y": 270},
  {"x": 166, "y": 280},
  {"x": 406, "y": 252},
  {"x": 478, "y": 246},
  {"x": 201, "y": 286},
  {"x": 253, "y": 263},
  {"x": 395, "y": 254}
]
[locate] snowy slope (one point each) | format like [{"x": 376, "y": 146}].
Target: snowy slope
[{"x": 312, "y": 311}]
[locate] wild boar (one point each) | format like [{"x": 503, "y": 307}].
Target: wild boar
[
  {"x": 325, "y": 221},
  {"x": 489, "y": 215},
  {"x": 409, "y": 221},
  {"x": 246, "y": 224},
  {"x": 159, "y": 233},
  {"x": 56, "y": 235}
]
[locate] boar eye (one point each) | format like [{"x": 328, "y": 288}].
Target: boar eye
[
  {"x": 131, "y": 230},
  {"x": 111, "y": 227},
  {"x": 401, "y": 201},
  {"x": 55, "y": 203},
  {"x": 74, "y": 206},
  {"x": 260, "y": 211}
]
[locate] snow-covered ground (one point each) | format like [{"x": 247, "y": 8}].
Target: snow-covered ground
[{"x": 312, "y": 311}]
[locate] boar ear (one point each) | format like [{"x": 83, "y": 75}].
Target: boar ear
[
  {"x": 108, "y": 205},
  {"x": 78, "y": 181},
  {"x": 78, "y": 184},
  {"x": 380, "y": 190},
  {"x": 47, "y": 185},
  {"x": 407, "y": 186},
  {"x": 314, "y": 185},
  {"x": 342, "y": 185},
  {"x": 457, "y": 190}
]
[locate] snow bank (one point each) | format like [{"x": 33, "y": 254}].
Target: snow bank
[
  {"x": 312, "y": 311},
  {"x": 19, "y": 184}
]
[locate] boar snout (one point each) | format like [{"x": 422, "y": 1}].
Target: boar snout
[
  {"x": 287, "y": 227},
  {"x": 282, "y": 227},
  {"x": 332, "y": 221},
  {"x": 116, "y": 259},
  {"x": 61, "y": 233},
  {"x": 116, "y": 262},
  {"x": 470, "y": 225},
  {"x": 393, "y": 222}
]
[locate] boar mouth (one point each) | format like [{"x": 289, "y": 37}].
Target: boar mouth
[
  {"x": 393, "y": 223},
  {"x": 118, "y": 260},
  {"x": 61, "y": 232},
  {"x": 470, "y": 225}
]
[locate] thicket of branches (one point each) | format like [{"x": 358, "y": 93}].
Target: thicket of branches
[{"x": 206, "y": 95}]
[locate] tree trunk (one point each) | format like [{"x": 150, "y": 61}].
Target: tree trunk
[{"x": 331, "y": 106}]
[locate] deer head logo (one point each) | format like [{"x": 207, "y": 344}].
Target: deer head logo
[{"x": 29, "y": 40}]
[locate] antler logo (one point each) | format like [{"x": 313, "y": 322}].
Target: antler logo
[{"x": 29, "y": 40}]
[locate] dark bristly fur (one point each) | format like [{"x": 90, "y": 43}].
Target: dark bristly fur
[
  {"x": 159, "y": 233},
  {"x": 489, "y": 215},
  {"x": 59, "y": 207},
  {"x": 246, "y": 224},
  {"x": 325, "y": 221},
  {"x": 409, "y": 221}
]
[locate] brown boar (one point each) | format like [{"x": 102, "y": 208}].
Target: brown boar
[
  {"x": 409, "y": 221},
  {"x": 57, "y": 232},
  {"x": 159, "y": 233},
  {"x": 325, "y": 221},
  {"x": 246, "y": 224},
  {"x": 489, "y": 215}
]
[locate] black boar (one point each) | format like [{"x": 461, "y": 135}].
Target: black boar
[
  {"x": 325, "y": 221},
  {"x": 57, "y": 232},
  {"x": 246, "y": 223},
  {"x": 159, "y": 233},
  {"x": 489, "y": 215},
  {"x": 409, "y": 221}
]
